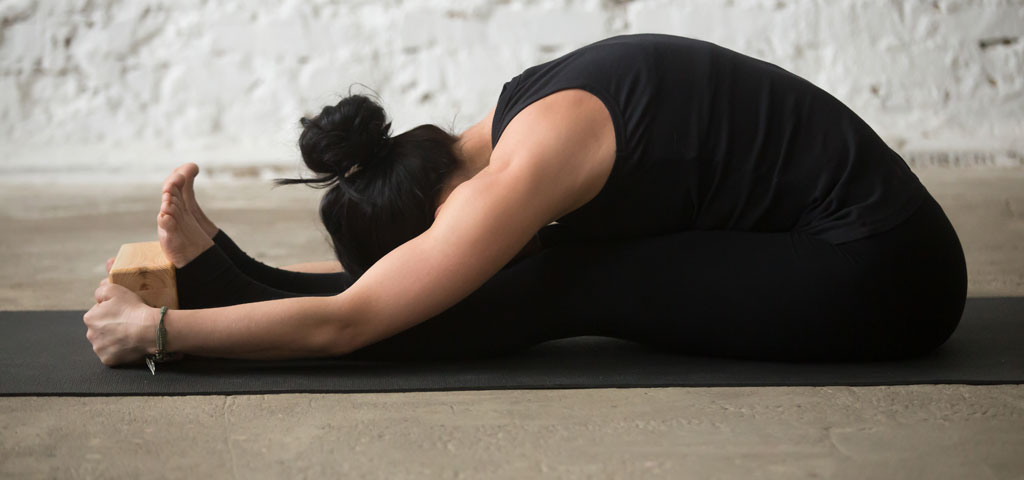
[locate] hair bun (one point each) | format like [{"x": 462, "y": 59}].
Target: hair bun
[{"x": 345, "y": 138}]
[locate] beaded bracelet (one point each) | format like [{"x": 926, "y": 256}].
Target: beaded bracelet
[{"x": 161, "y": 339}]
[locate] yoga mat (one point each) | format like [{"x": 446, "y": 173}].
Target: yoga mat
[{"x": 46, "y": 353}]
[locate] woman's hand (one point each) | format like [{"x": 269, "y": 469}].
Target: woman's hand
[{"x": 121, "y": 327}]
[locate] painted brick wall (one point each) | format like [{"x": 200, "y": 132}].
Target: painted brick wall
[{"x": 133, "y": 87}]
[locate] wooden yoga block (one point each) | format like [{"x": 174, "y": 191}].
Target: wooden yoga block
[{"x": 142, "y": 268}]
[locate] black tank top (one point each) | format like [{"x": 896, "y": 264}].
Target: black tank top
[{"x": 710, "y": 139}]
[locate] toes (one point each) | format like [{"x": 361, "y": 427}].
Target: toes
[
  {"x": 174, "y": 181},
  {"x": 188, "y": 191},
  {"x": 178, "y": 201},
  {"x": 171, "y": 193},
  {"x": 171, "y": 205},
  {"x": 178, "y": 181},
  {"x": 166, "y": 221},
  {"x": 189, "y": 170}
]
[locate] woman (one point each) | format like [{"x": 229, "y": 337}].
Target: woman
[{"x": 648, "y": 187}]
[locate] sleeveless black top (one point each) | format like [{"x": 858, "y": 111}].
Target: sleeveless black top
[{"x": 710, "y": 139}]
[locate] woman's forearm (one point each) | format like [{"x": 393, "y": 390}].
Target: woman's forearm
[
  {"x": 300, "y": 327},
  {"x": 329, "y": 266}
]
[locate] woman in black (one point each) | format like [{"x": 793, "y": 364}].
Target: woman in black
[{"x": 647, "y": 187}]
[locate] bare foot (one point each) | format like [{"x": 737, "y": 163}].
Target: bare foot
[
  {"x": 189, "y": 171},
  {"x": 181, "y": 237}
]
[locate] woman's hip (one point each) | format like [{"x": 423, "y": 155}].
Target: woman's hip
[
  {"x": 916, "y": 270},
  {"x": 922, "y": 251}
]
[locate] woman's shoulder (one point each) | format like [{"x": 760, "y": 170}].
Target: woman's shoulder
[{"x": 586, "y": 114}]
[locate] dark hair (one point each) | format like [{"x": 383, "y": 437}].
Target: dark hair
[{"x": 383, "y": 190}]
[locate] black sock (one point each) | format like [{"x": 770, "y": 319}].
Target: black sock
[
  {"x": 281, "y": 279},
  {"x": 211, "y": 280}
]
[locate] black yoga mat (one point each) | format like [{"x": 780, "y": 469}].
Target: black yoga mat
[{"x": 46, "y": 353}]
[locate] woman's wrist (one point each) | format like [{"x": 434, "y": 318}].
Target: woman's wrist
[{"x": 147, "y": 334}]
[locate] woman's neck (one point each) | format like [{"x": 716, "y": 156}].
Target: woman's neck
[{"x": 473, "y": 149}]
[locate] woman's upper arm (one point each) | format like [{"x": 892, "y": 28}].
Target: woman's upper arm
[{"x": 553, "y": 158}]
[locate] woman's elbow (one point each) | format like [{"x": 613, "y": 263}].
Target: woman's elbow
[
  {"x": 339, "y": 344},
  {"x": 339, "y": 335}
]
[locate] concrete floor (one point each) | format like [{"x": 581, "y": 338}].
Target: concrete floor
[{"x": 55, "y": 240}]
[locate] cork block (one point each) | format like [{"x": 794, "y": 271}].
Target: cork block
[{"x": 142, "y": 268}]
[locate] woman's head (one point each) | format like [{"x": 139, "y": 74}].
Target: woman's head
[{"x": 382, "y": 190}]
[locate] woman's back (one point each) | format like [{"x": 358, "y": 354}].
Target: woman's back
[{"x": 710, "y": 139}]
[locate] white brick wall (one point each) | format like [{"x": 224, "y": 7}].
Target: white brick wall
[{"x": 136, "y": 86}]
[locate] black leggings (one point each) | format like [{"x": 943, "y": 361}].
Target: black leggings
[{"x": 773, "y": 296}]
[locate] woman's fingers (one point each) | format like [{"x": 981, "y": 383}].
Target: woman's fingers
[
  {"x": 104, "y": 292},
  {"x": 101, "y": 293}
]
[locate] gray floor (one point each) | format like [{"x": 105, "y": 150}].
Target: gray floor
[{"x": 52, "y": 249}]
